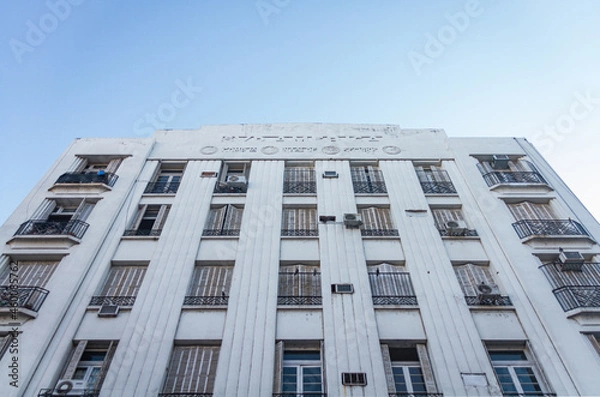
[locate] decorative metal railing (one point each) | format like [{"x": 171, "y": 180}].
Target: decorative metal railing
[
  {"x": 162, "y": 187},
  {"x": 75, "y": 228},
  {"x": 185, "y": 394},
  {"x": 30, "y": 298},
  {"x": 530, "y": 394},
  {"x": 299, "y": 232},
  {"x": 107, "y": 178},
  {"x": 299, "y": 300},
  {"x": 56, "y": 393},
  {"x": 465, "y": 233},
  {"x": 369, "y": 187},
  {"x": 497, "y": 177},
  {"x": 299, "y": 187},
  {"x": 142, "y": 232},
  {"x": 576, "y": 296},
  {"x": 379, "y": 232},
  {"x": 221, "y": 232},
  {"x": 122, "y": 301},
  {"x": 415, "y": 394},
  {"x": 206, "y": 300},
  {"x": 549, "y": 227},
  {"x": 381, "y": 300},
  {"x": 493, "y": 301},
  {"x": 438, "y": 187},
  {"x": 308, "y": 394},
  {"x": 224, "y": 188}
]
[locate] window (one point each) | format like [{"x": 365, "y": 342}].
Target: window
[
  {"x": 299, "y": 285},
  {"x": 121, "y": 286},
  {"x": 434, "y": 180},
  {"x": 167, "y": 180},
  {"x": 299, "y": 222},
  {"x": 89, "y": 363},
  {"x": 59, "y": 217},
  {"x": 574, "y": 289},
  {"x": 224, "y": 221},
  {"x": 516, "y": 172},
  {"x": 33, "y": 277},
  {"x": 530, "y": 210},
  {"x": 302, "y": 372},
  {"x": 390, "y": 285},
  {"x": 191, "y": 370},
  {"x": 209, "y": 286},
  {"x": 149, "y": 221},
  {"x": 93, "y": 169},
  {"x": 478, "y": 286},
  {"x": 367, "y": 179},
  {"x": 233, "y": 178},
  {"x": 6, "y": 339},
  {"x": 408, "y": 366},
  {"x": 377, "y": 221},
  {"x": 299, "y": 180},
  {"x": 539, "y": 219},
  {"x": 450, "y": 222},
  {"x": 515, "y": 372},
  {"x": 594, "y": 339}
]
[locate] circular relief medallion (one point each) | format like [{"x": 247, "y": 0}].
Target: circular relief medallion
[
  {"x": 269, "y": 150},
  {"x": 209, "y": 150},
  {"x": 331, "y": 150},
  {"x": 391, "y": 149}
]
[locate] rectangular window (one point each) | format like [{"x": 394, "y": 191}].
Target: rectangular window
[
  {"x": 32, "y": 278},
  {"x": 299, "y": 222},
  {"x": 121, "y": 287},
  {"x": 233, "y": 178},
  {"x": 367, "y": 179},
  {"x": 390, "y": 285},
  {"x": 167, "y": 180},
  {"x": 478, "y": 285},
  {"x": 209, "y": 286},
  {"x": 149, "y": 221},
  {"x": 574, "y": 289},
  {"x": 299, "y": 285},
  {"x": 377, "y": 221},
  {"x": 302, "y": 372},
  {"x": 299, "y": 180},
  {"x": 225, "y": 220},
  {"x": 515, "y": 371},
  {"x": 529, "y": 210},
  {"x": 408, "y": 369},
  {"x": 59, "y": 217},
  {"x": 516, "y": 172},
  {"x": 191, "y": 370},
  {"x": 434, "y": 180},
  {"x": 88, "y": 365},
  {"x": 451, "y": 222}
]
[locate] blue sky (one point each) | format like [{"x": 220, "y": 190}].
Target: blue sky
[{"x": 90, "y": 68}]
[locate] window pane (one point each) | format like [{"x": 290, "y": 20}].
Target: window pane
[
  {"x": 505, "y": 380},
  {"x": 509, "y": 355},
  {"x": 311, "y": 379},
  {"x": 527, "y": 379},
  {"x": 301, "y": 355},
  {"x": 416, "y": 379},
  {"x": 289, "y": 383},
  {"x": 399, "y": 380}
]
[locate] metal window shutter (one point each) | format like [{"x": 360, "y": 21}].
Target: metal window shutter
[
  {"x": 427, "y": 368},
  {"x": 74, "y": 360}
]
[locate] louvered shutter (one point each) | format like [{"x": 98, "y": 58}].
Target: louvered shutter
[
  {"x": 124, "y": 281},
  {"x": 192, "y": 369},
  {"x": 389, "y": 280},
  {"x": 83, "y": 211},
  {"x": 210, "y": 281},
  {"x": 44, "y": 210},
  {"x": 113, "y": 165},
  {"x": 31, "y": 273},
  {"x": 110, "y": 352},
  {"x": 375, "y": 218},
  {"x": 74, "y": 360},
  {"x": 470, "y": 276},
  {"x": 277, "y": 379},
  {"x": 78, "y": 165},
  {"x": 233, "y": 219},
  {"x": 529, "y": 210},
  {"x": 443, "y": 215},
  {"x": 299, "y": 280},
  {"x": 426, "y": 368},
  {"x": 387, "y": 365}
]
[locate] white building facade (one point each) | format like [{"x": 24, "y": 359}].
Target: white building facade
[{"x": 300, "y": 260}]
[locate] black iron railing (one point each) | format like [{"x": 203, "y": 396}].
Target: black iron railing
[
  {"x": 142, "y": 232},
  {"x": 308, "y": 394},
  {"x": 107, "y": 178},
  {"x": 415, "y": 394},
  {"x": 383, "y": 300},
  {"x": 300, "y": 187},
  {"x": 369, "y": 187},
  {"x": 530, "y": 394},
  {"x": 488, "y": 301},
  {"x": 299, "y": 232},
  {"x": 438, "y": 187},
  {"x": 185, "y": 394},
  {"x": 299, "y": 300},
  {"x": 464, "y": 233},
  {"x": 379, "y": 232},
  {"x": 122, "y": 301},
  {"x": 30, "y": 298},
  {"x": 224, "y": 188},
  {"x": 56, "y": 393},
  {"x": 496, "y": 178},
  {"x": 75, "y": 228},
  {"x": 549, "y": 227},
  {"x": 576, "y": 296},
  {"x": 162, "y": 187},
  {"x": 221, "y": 232},
  {"x": 206, "y": 300}
]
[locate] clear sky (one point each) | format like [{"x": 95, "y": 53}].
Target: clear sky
[{"x": 90, "y": 68}]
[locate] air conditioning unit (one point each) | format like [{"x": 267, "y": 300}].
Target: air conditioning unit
[
  {"x": 342, "y": 288},
  {"x": 500, "y": 162},
  {"x": 236, "y": 181},
  {"x": 354, "y": 378},
  {"x": 108, "y": 311},
  {"x": 70, "y": 387},
  {"x": 330, "y": 174},
  {"x": 571, "y": 261},
  {"x": 352, "y": 221},
  {"x": 488, "y": 291},
  {"x": 456, "y": 228}
]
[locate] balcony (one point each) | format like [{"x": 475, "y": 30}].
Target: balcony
[
  {"x": 369, "y": 187},
  {"x": 107, "y": 178},
  {"x": 206, "y": 301},
  {"x": 221, "y": 232},
  {"x": 578, "y": 296},
  {"x": 122, "y": 301},
  {"x": 549, "y": 227},
  {"x": 492, "y": 301},
  {"x": 185, "y": 394},
  {"x": 299, "y": 187},
  {"x": 384, "y": 300},
  {"x": 438, "y": 187},
  {"x": 308, "y": 394},
  {"x": 57, "y": 393},
  {"x": 142, "y": 232},
  {"x": 463, "y": 233},
  {"x": 299, "y": 232},
  {"x": 229, "y": 189},
  {"x": 30, "y": 298},
  {"x": 379, "y": 232},
  {"x": 517, "y": 177},
  {"x": 162, "y": 188},
  {"x": 74, "y": 228},
  {"x": 530, "y": 394},
  {"x": 299, "y": 300}
]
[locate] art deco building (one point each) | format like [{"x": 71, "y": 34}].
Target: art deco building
[{"x": 300, "y": 260}]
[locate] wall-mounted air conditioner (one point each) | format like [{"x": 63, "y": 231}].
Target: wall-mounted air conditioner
[
  {"x": 456, "y": 228},
  {"x": 571, "y": 261},
  {"x": 488, "y": 291},
  {"x": 236, "y": 181},
  {"x": 342, "y": 288},
  {"x": 70, "y": 387},
  {"x": 354, "y": 378},
  {"x": 352, "y": 221},
  {"x": 500, "y": 162}
]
